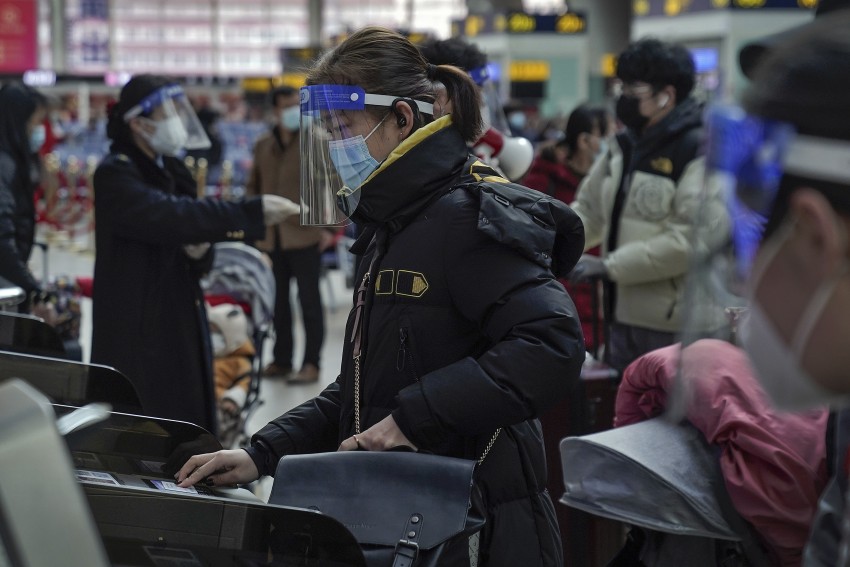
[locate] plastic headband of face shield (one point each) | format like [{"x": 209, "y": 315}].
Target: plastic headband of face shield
[
  {"x": 746, "y": 158},
  {"x": 156, "y": 98},
  {"x": 491, "y": 103},
  {"x": 175, "y": 105},
  {"x": 335, "y": 159},
  {"x": 480, "y": 75}
]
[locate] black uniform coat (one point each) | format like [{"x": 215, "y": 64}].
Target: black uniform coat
[
  {"x": 17, "y": 221},
  {"x": 149, "y": 319},
  {"x": 463, "y": 335}
]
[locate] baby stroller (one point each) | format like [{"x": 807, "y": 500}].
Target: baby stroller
[
  {"x": 241, "y": 275},
  {"x": 663, "y": 479}
]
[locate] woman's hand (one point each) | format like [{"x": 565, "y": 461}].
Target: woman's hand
[
  {"x": 221, "y": 468},
  {"x": 382, "y": 436}
]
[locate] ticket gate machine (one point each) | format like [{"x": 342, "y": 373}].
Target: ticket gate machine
[
  {"x": 125, "y": 465},
  {"x": 71, "y": 383}
]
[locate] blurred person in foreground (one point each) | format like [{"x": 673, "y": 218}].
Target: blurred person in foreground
[
  {"x": 22, "y": 133},
  {"x": 295, "y": 250},
  {"x": 557, "y": 172},
  {"x": 458, "y": 339},
  {"x": 783, "y": 162},
  {"x": 639, "y": 200},
  {"x": 153, "y": 245}
]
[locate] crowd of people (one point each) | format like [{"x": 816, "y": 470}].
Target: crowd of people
[{"x": 483, "y": 277}]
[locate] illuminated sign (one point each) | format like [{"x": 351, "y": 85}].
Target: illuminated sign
[
  {"x": 520, "y": 23},
  {"x": 673, "y": 8},
  {"x": 39, "y": 78},
  {"x": 705, "y": 59},
  {"x": 18, "y": 33},
  {"x": 116, "y": 78},
  {"x": 608, "y": 65},
  {"x": 529, "y": 71},
  {"x": 299, "y": 58}
]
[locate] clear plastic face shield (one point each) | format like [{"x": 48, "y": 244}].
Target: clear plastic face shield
[
  {"x": 512, "y": 156},
  {"x": 338, "y": 123},
  {"x": 746, "y": 158},
  {"x": 491, "y": 103},
  {"x": 175, "y": 108}
]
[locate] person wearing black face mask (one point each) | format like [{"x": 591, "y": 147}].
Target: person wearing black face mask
[{"x": 639, "y": 200}]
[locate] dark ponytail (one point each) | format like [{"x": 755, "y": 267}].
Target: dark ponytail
[{"x": 464, "y": 96}]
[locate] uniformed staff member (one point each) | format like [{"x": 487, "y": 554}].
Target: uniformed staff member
[
  {"x": 153, "y": 244},
  {"x": 463, "y": 335}
]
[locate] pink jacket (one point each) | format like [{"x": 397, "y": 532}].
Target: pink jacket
[{"x": 774, "y": 463}]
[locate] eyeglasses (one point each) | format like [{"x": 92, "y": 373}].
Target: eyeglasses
[{"x": 632, "y": 89}]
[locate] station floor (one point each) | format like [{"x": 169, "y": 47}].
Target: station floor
[{"x": 74, "y": 258}]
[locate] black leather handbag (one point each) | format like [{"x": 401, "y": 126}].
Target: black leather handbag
[{"x": 405, "y": 509}]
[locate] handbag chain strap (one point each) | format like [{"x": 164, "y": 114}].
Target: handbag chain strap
[
  {"x": 357, "y": 395},
  {"x": 356, "y": 338},
  {"x": 359, "y": 315},
  {"x": 489, "y": 446}
]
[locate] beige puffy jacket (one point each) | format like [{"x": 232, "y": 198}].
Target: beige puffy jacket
[{"x": 650, "y": 260}]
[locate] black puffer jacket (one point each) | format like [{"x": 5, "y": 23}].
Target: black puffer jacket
[
  {"x": 463, "y": 335},
  {"x": 17, "y": 221}
]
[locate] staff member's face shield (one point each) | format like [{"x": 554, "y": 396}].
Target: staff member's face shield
[
  {"x": 491, "y": 104},
  {"x": 340, "y": 137},
  {"x": 170, "y": 104},
  {"x": 746, "y": 158}
]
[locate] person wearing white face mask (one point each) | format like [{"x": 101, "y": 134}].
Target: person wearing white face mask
[
  {"x": 781, "y": 253},
  {"x": 153, "y": 244},
  {"x": 295, "y": 250}
]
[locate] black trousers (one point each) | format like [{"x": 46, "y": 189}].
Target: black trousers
[
  {"x": 628, "y": 343},
  {"x": 303, "y": 264}
]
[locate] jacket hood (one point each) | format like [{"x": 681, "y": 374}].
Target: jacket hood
[
  {"x": 543, "y": 229},
  {"x": 420, "y": 169}
]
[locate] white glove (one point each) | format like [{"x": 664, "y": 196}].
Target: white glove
[
  {"x": 277, "y": 209},
  {"x": 196, "y": 251}
]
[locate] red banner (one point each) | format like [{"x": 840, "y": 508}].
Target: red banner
[{"x": 18, "y": 35}]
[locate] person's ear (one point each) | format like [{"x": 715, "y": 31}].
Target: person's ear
[
  {"x": 820, "y": 237},
  {"x": 403, "y": 118}
]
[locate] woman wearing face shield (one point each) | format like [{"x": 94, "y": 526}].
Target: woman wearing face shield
[
  {"x": 457, "y": 340},
  {"x": 153, "y": 245},
  {"x": 780, "y": 164}
]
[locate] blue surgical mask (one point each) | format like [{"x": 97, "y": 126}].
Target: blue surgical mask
[
  {"x": 37, "y": 137},
  {"x": 291, "y": 118},
  {"x": 352, "y": 159}
]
